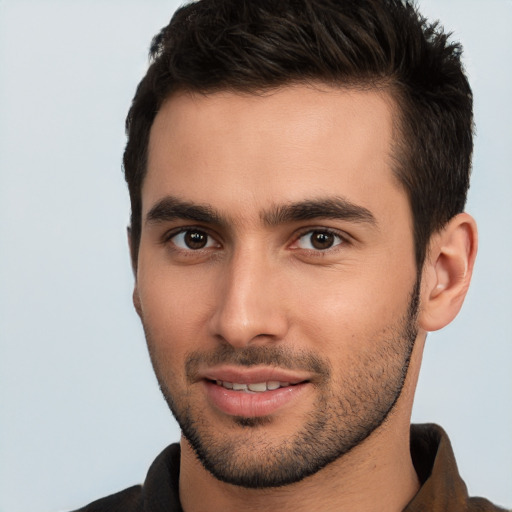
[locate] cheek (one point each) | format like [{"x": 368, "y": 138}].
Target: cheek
[
  {"x": 174, "y": 312},
  {"x": 348, "y": 309}
]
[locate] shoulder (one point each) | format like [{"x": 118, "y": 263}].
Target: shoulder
[
  {"x": 442, "y": 488},
  {"x": 483, "y": 505},
  {"x": 160, "y": 490},
  {"x": 128, "y": 500}
]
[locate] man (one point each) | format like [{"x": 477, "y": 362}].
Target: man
[{"x": 298, "y": 172}]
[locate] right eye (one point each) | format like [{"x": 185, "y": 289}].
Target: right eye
[
  {"x": 193, "y": 240},
  {"x": 319, "y": 240}
]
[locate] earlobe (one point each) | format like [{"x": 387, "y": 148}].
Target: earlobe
[
  {"x": 447, "y": 272},
  {"x": 136, "y": 301}
]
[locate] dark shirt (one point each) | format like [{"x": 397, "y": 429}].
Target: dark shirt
[{"x": 442, "y": 489}]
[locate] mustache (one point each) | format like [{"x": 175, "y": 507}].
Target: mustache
[{"x": 279, "y": 357}]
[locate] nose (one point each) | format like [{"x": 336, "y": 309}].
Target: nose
[{"x": 249, "y": 305}]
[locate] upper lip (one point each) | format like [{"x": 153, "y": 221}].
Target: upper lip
[{"x": 253, "y": 375}]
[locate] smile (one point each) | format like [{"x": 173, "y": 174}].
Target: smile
[
  {"x": 253, "y": 399},
  {"x": 256, "y": 387}
]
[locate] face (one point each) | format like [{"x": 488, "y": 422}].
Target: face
[{"x": 276, "y": 279}]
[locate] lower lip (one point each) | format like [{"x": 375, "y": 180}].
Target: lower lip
[{"x": 252, "y": 405}]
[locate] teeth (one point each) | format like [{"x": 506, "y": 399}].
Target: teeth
[
  {"x": 257, "y": 387},
  {"x": 260, "y": 386}
]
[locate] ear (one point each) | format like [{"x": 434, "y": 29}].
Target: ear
[
  {"x": 136, "y": 301},
  {"x": 133, "y": 258},
  {"x": 131, "y": 247},
  {"x": 447, "y": 272}
]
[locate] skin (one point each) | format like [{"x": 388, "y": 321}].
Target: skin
[{"x": 258, "y": 286}]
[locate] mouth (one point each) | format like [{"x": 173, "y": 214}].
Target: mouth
[
  {"x": 255, "y": 378},
  {"x": 253, "y": 393},
  {"x": 254, "y": 387}
]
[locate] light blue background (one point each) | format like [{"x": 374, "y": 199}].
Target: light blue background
[{"x": 81, "y": 414}]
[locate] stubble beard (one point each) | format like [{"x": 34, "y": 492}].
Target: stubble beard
[{"x": 346, "y": 413}]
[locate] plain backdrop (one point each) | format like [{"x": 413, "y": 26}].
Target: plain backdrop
[{"x": 80, "y": 412}]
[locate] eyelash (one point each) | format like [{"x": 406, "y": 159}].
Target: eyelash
[
  {"x": 342, "y": 237},
  {"x": 187, "y": 229}
]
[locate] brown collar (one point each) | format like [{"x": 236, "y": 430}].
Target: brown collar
[{"x": 442, "y": 488}]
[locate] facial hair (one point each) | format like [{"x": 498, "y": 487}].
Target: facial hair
[{"x": 348, "y": 409}]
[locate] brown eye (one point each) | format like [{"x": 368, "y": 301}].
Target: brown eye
[
  {"x": 322, "y": 240},
  {"x": 319, "y": 240},
  {"x": 193, "y": 240}
]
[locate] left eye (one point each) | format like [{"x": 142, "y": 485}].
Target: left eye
[
  {"x": 318, "y": 240},
  {"x": 193, "y": 239}
]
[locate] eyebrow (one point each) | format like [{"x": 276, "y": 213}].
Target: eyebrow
[
  {"x": 171, "y": 208},
  {"x": 328, "y": 208}
]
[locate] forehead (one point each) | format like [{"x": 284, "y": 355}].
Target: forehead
[{"x": 294, "y": 143}]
